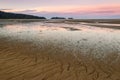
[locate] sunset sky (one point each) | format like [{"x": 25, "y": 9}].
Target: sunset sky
[{"x": 64, "y": 8}]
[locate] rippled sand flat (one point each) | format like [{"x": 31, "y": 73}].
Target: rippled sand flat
[{"x": 58, "y": 51}]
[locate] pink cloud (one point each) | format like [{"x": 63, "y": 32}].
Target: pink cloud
[
  {"x": 77, "y": 11},
  {"x": 98, "y": 10}
]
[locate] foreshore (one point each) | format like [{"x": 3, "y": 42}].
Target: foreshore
[{"x": 24, "y": 61}]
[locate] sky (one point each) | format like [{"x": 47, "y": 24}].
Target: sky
[{"x": 81, "y": 9}]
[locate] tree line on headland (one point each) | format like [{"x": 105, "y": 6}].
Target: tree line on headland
[{"x": 7, "y": 15}]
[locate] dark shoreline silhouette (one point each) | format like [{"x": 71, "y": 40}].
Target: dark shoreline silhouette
[{"x": 7, "y": 15}]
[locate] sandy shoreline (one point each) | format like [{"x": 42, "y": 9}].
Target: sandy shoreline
[
  {"x": 52, "y": 51},
  {"x": 23, "y": 61}
]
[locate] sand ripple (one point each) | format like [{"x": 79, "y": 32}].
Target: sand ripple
[{"x": 22, "y": 61}]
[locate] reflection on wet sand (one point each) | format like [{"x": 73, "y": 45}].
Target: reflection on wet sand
[
  {"x": 71, "y": 28},
  {"x": 53, "y": 51}
]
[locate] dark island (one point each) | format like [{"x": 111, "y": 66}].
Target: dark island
[
  {"x": 58, "y": 18},
  {"x": 7, "y": 15}
]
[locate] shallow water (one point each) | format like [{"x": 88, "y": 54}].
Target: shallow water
[{"x": 68, "y": 38}]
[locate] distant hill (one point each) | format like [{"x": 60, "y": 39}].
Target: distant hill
[{"x": 6, "y": 15}]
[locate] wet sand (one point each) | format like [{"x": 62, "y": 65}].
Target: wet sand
[
  {"x": 24, "y": 61},
  {"x": 49, "y": 51}
]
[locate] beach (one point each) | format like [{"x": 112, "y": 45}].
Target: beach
[{"x": 58, "y": 51}]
